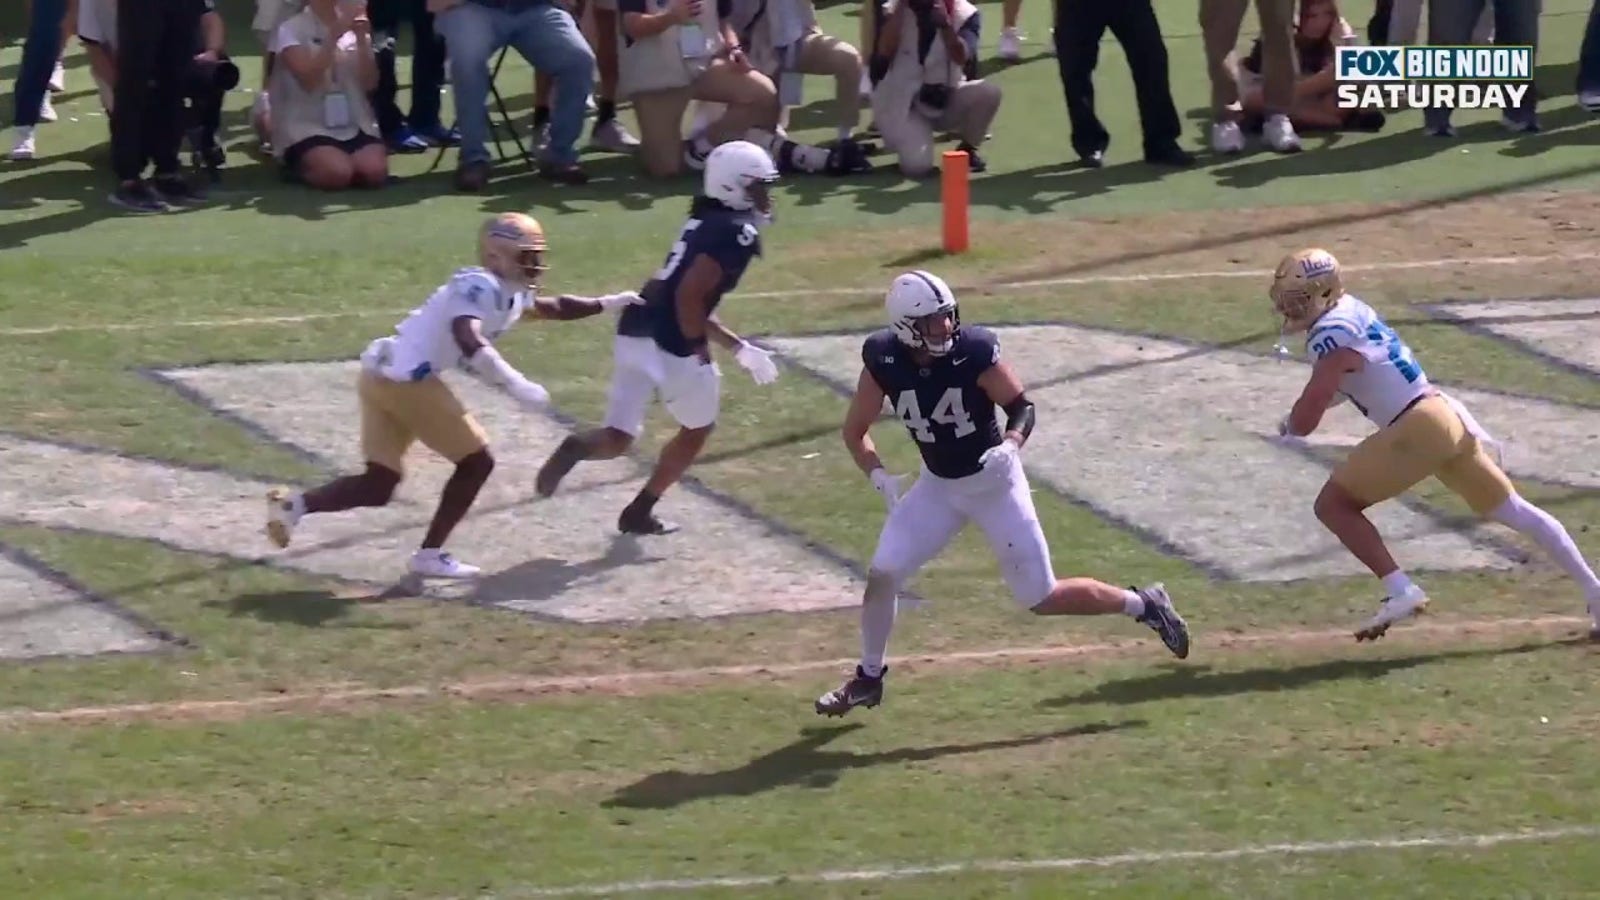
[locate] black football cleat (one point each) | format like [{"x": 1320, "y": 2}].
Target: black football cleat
[
  {"x": 1163, "y": 619},
  {"x": 860, "y": 689},
  {"x": 632, "y": 521}
]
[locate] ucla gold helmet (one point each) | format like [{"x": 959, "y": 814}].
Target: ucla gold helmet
[
  {"x": 1306, "y": 283},
  {"x": 512, "y": 245}
]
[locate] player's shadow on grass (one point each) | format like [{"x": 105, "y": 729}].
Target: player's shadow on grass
[
  {"x": 311, "y": 609},
  {"x": 1199, "y": 681},
  {"x": 549, "y": 577},
  {"x": 803, "y": 763}
]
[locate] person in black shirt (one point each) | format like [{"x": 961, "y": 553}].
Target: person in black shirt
[
  {"x": 664, "y": 344},
  {"x": 946, "y": 383}
]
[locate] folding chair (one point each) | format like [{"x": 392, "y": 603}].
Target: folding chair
[{"x": 494, "y": 129}]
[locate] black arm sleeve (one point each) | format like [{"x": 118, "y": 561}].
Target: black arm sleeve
[{"x": 1019, "y": 416}]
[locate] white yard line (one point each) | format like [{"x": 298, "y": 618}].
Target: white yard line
[
  {"x": 622, "y": 682},
  {"x": 248, "y": 321},
  {"x": 1016, "y": 866}
]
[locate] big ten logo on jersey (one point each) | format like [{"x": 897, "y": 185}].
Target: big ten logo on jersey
[{"x": 949, "y": 410}]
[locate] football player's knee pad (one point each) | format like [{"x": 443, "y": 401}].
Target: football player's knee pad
[{"x": 881, "y": 586}]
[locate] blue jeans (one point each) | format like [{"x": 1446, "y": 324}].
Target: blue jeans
[
  {"x": 39, "y": 54},
  {"x": 545, "y": 36}
]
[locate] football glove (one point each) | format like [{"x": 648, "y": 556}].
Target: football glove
[
  {"x": 757, "y": 362},
  {"x": 887, "y": 485}
]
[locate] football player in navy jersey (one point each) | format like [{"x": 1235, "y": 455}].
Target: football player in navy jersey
[
  {"x": 665, "y": 343},
  {"x": 945, "y": 383}
]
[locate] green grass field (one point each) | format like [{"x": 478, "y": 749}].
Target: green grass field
[{"x": 188, "y": 713}]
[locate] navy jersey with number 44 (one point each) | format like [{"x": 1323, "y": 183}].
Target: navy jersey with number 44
[
  {"x": 941, "y": 404},
  {"x": 729, "y": 237}
]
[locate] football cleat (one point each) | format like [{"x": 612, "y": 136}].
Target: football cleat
[
  {"x": 1163, "y": 619},
  {"x": 1393, "y": 609},
  {"x": 282, "y": 515},
  {"x": 860, "y": 689},
  {"x": 439, "y": 564},
  {"x": 634, "y": 522}
]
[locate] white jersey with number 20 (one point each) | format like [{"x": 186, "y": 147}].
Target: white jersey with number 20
[
  {"x": 423, "y": 345},
  {"x": 1391, "y": 378}
]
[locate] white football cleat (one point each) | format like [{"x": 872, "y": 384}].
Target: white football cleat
[
  {"x": 47, "y": 110},
  {"x": 24, "y": 148},
  {"x": 1226, "y": 137},
  {"x": 439, "y": 564},
  {"x": 1394, "y": 609},
  {"x": 58, "y": 77},
  {"x": 284, "y": 509}
]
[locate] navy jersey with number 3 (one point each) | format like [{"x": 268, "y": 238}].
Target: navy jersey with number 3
[
  {"x": 730, "y": 237},
  {"x": 941, "y": 404}
]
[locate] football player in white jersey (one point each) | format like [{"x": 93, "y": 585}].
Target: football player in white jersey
[
  {"x": 403, "y": 399},
  {"x": 1421, "y": 432}
]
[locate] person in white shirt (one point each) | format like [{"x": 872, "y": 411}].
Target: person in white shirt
[
  {"x": 1422, "y": 432},
  {"x": 404, "y": 400}
]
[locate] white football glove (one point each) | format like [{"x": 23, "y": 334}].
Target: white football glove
[
  {"x": 610, "y": 302},
  {"x": 1287, "y": 437},
  {"x": 887, "y": 485},
  {"x": 529, "y": 395},
  {"x": 757, "y": 362},
  {"x": 1000, "y": 458}
]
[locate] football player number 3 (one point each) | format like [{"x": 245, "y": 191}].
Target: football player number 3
[
  {"x": 950, "y": 410},
  {"x": 679, "y": 247}
]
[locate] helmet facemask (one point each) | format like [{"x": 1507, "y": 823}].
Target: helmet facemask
[{"x": 934, "y": 332}]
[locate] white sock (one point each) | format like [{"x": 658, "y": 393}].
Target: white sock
[
  {"x": 1397, "y": 583},
  {"x": 1548, "y": 532},
  {"x": 298, "y": 504},
  {"x": 845, "y": 131},
  {"x": 877, "y": 621},
  {"x": 1132, "y": 603}
]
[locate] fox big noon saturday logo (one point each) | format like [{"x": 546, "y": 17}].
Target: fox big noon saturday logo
[{"x": 1425, "y": 77}]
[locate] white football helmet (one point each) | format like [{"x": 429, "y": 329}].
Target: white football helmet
[
  {"x": 915, "y": 300},
  {"x": 737, "y": 175}
]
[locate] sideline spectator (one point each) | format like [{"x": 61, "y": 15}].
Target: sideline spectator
[
  {"x": 41, "y": 53},
  {"x": 923, "y": 47},
  {"x": 1319, "y": 30},
  {"x": 323, "y": 126},
  {"x": 548, "y": 38},
  {"x": 1396, "y": 23},
  {"x": 608, "y": 132},
  {"x": 785, "y": 43},
  {"x": 153, "y": 52},
  {"x": 1079, "y": 26},
  {"x": 1516, "y": 23},
  {"x": 416, "y": 132},
  {"x": 677, "y": 50},
  {"x": 1589, "y": 62},
  {"x": 1220, "y": 21},
  {"x": 270, "y": 14}
]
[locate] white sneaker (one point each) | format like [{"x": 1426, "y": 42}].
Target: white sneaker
[
  {"x": 611, "y": 135},
  {"x": 58, "y": 77},
  {"x": 47, "y": 110},
  {"x": 439, "y": 564},
  {"x": 1394, "y": 609},
  {"x": 1226, "y": 137},
  {"x": 23, "y": 148},
  {"x": 1590, "y": 99},
  {"x": 284, "y": 509},
  {"x": 866, "y": 85},
  {"x": 1010, "y": 48},
  {"x": 1279, "y": 134}
]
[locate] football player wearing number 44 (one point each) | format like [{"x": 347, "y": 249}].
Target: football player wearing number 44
[
  {"x": 1422, "y": 431},
  {"x": 944, "y": 381},
  {"x": 664, "y": 345}
]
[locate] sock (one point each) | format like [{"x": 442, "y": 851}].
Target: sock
[
  {"x": 297, "y": 505},
  {"x": 1552, "y": 537},
  {"x": 605, "y": 111},
  {"x": 1397, "y": 583},
  {"x": 1132, "y": 604},
  {"x": 845, "y": 131},
  {"x": 877, "y": 621},
  {"x": 644, "y": 503},
  {"x": 541, "y": 116}
]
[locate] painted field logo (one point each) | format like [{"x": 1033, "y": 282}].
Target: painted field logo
[{"x": 1394, "y": 78}]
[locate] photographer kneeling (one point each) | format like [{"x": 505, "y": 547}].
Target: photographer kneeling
[{"x": 923, "y": 48}]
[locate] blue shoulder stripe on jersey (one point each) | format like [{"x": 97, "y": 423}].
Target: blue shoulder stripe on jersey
[{"x": 1335, "y": 326}]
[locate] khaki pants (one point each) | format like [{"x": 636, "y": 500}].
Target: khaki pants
[
  {"x": 394, "y": 414},
  {"x": 750, "y": 97},
  {"x": 970, "y": 112},
  {"x": 821, "y": 54},
  {"x": 1220, "y": 21}
]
